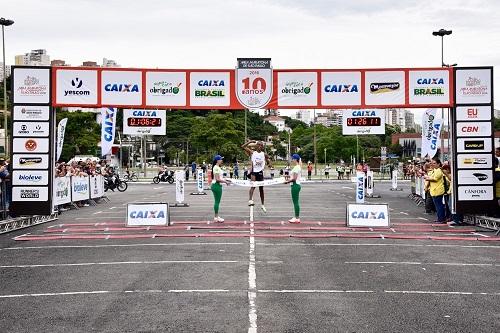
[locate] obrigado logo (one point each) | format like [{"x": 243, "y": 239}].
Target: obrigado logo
[
  {"x": 162, "y": 88},
  {"x": 122, "y": 87},
  {"x": 147, "y": 214},
  {"x": 77, "y": 84},
  {"x": 297, "y": 88},
  {"x": 368, "y": 215},
  {"x": 429, "y": 87},
  {"x": 384, "y": 87},
  {"x": 341, "y": 88},
  {"x": 210, "y": 88}
]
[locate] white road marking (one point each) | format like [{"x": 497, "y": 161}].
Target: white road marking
[
  {"x": 252, "y": 284},
  {"x": 418, "y": 263},
  {"x": 306, "y": 291},
  {"x": 110, "y": 245},
  {"x": 348, "y": 188},
  {"x": 380, "y": 244},
  {"x": 125, "y": 263},
  {"x": 98, "y": 212},
  {"x": 439, "y": 292},
  {"x": 423, "y": 218},
  {"x": 404, "y": 213},
  {"x": 113, "y": 207},
  {"x": 479, "y": 234},
  {"x": 384, "y": 262}
]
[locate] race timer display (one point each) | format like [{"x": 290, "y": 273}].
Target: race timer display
[
  {"x": 364, "y": 121},
  {"x": 144, "y": 122}
]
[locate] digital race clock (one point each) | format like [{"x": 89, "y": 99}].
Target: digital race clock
[
  {"x": 364, "y": 121},
  {"x": 143, "y": 122}
]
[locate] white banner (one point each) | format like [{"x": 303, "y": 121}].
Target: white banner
[
  {"x": 340, "y": 88},
  {"x": 166, "y": 88},
  {"x": 62, "y": 192},
  {"x": 80, "y": 188},
  {"x": 147, "y": 214},
  {"x": 76, "y": 86},
  {"x": 210, "y": 89},
  {"x": 394, "y": 179},
  {"x": 429, "y": 87},
  {"x": 179, "y": 186},
  {"x": 199, "y": 180},
  {"x": 108, "y": 125},
  {"x": 367, "y": 215},
  {"x": 96, "y": 186},
  {"x": 384, "y": 88},
  {"x": 297, "y": 89},
  {"x": 369, "y": 183},
  {"x": 61, "y": 129},
  {"x": 254, "y": 86},
  {"x": 249, "y": 183},
  {"x": 31, "y": 85},
  {"x": 121, "y": 87},
  {"x": 431, "y": 129},
  {"x": 360, "y": 187}
]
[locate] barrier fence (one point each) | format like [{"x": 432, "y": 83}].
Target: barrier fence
[{"x": 70, "y": 189}]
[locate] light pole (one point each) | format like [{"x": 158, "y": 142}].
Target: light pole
[
  {"x": 325, "y": 155},
  {"x": 315, "y": 154},
  {"x": 441, "y": 33},
  {"x": 5, "y": 23}
]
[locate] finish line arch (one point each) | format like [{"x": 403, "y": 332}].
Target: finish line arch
[{"x": 468, "y": 91}]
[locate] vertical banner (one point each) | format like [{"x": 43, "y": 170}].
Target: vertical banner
[
  {"x": 199, "y": 180},
  {"x": 179, "y": 186},
  {"x": 108, "y": 125},
  {"x": 254, "y": 82},
  {"x": 369, "y": 183},
  {"x": 431, "y": 129},
  {"x": 61, "y": 129},
  {"x": 394, "y": 179},
  {"x": 360, "y": 187}
]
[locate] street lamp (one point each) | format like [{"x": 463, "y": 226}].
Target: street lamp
[
  {"x": 5, "y": 23},
  {"x": 441, "y": 33},
  {"x": 325, "y": 154}
]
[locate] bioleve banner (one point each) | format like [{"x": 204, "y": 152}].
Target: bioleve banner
[
  {"x": 431, "y": 129},
  {"x": 61, "y": 129},
  {"x": 108, "y": 125}
]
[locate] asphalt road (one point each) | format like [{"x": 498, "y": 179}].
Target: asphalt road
[{"x": 249, "y": 278}]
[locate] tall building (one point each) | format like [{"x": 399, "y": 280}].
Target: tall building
[
  {"x": 34, "y": 58},
  {"x": 7, "y": 69},
  {"x": 409, "y": 119},
  {"x": 303, "y": 115},
  {"x": 109, "y": 63}
]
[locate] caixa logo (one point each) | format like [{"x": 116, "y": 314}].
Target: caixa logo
[
  {"x": 147, "y": 214},
  {"x": 368, "y": 215},
  {"x": 121, "y": 87}
]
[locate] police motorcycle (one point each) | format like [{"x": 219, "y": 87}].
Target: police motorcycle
[{"x": 164, "y": 176}]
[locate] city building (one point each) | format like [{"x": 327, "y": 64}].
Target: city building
[
  {"x": 109, "y": 63},
  {"x": 58, "y": 62},
  {"x": 7, "y": 69},
  {"x": 277, "y": 122},
  {"x": 34, "y": 58},
  {"x": 303, "y": 115},
  {"x": 90, "y": 64}
]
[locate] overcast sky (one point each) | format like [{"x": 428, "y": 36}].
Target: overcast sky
[{"x": 295, "y": 34}]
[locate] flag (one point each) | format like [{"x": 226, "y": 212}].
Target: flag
[
  {"x": 61, "y": 129},
  {"x": 431, "y": 129},
  {"x": 108, "y": 125}
]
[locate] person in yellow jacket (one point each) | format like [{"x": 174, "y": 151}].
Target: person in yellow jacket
[{"x": 436, "y": 189}]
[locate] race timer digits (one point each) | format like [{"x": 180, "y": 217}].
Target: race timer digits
[
  {"x": 143, "y": 121},
  {"x": 364, "y": 121}
]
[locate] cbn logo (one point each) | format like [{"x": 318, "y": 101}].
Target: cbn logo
[
  {"x": 121, "y": 87},
  {"x": 147, "y": 214}
]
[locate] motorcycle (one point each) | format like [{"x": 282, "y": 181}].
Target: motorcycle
[
  {"x": 165, "y": 176},
  {"x": 112, "y": 182}
]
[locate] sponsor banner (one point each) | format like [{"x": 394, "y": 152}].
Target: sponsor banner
[
  {"x": 199, "y": 180},
  {"x": 475, "y": 193},
  {"x": 76, "y": 87},
  {"x": 121, "y": 88},
  {"x": 474, "y": 161},
  {"x": 473, "y": 86},
  {"x": 473, "y": 113},
  {"x": 473, "y": 129},
  {"x": 62, "y": 190},
  {"x": 30, "y": 177},
  {"x": 394, "y": 179},
  {"x": 369, "y": 183},
  {"x": 297, "y": 89},
  {"x": 31, "y": 85},
  {"x": 383, "y": 153},
  {"x": 166, "y": 88},
  {"x": 367, "y": 215},
  {"x": 360, "y": 187},
  {"x": 96, "y": 186},
  {"x": 108, "y": 125},
  {"x": 30, "y": 145},
  {"x": 210, "y": 89},
  {"x": 475, "y": 177},
  {"x": 385, "y": 88},
  {"x": 28, "y": 161},
  {"x": 356, "y": 122},
  {"x": 147, "y": 214},
  {"x": 36, "y": 112},
  {"x": 61, "y": 129},
  {"x": 144, "y": 122},
  {"x": 80, "y": 188},
  {"x": 30, "y": 128},
  {"x": 249, "y": 183},
  {"x": 179, "y": 186},
  {"x": 474, "y": 145},
  {"x": 429, "y": 87},
  {"x": 340, "y": 88},
  {"x": 30, "y": 193},
  {"x": 431, "y": 129},
  {"x": 254, "y": 86}
]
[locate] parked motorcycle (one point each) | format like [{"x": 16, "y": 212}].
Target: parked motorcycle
[
  {"x": 114, "y": 182},
  {"x": 165, "y": 176}
]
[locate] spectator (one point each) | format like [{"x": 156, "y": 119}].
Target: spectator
[
  {"x": 309, "y": 170},
  {"x": 193, "y": 169},
  {"x": 436, "y": 189},
  {"x": 327, "y": 171},
  {"x": 236, "y": 170}
]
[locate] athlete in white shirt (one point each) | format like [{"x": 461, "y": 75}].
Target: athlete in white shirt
[{"x": 258, "y": 158}]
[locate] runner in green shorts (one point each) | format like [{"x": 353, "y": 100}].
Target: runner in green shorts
[
  {"x": 295, "y": 188},
  {"x": 217, "y": 181}
]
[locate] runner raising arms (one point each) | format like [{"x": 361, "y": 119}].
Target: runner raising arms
[{"x": 258, "y": 162}]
